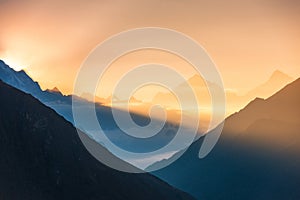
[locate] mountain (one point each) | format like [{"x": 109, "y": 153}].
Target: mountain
[
  {"x": 19, "y": 79},
  {"x": 51, "y": 97},
  {"x": 55, "y": 90},
  {"x": 196, "y": 82},
  {"x": 197, "y": 85},
  {"x": 234, "y": 101},
  {"x": 42, "y": 157},
  {"x": 63, "y": 106},
  {"x": 276, "y": 82},
  {"x": 54, "y": 99},
  {"x": 60, "y": 103},
  {"x": 281, "y": 107},
  {"x": 256, "y": 157}
]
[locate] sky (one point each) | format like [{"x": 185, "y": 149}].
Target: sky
[{"x": 247, "y": 40}]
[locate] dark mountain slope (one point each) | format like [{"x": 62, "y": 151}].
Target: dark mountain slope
[
  {"x": 276, "y": 82},
  {"x": 63, "y": 106},
  {"x": 42, "y": 157},
  {"x": 277, "y": 117},
  {"x": 257, "y": 156}
]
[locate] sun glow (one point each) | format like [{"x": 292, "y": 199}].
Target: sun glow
[{"x": 15, "y": 64}]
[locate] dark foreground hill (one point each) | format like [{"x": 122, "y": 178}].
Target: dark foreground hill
[
  {"x": 42, "y": 158},
  {"x": 257, "y": 156},
  {"x": 63, "y": 106}
]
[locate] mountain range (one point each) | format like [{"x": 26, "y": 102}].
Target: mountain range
[
  {"x": 234, "y": 100},
  {"x": 277, "y": 81},
  {"x": 257, "y": 156},
  {"x": 63, "y": 106},
  {"x": 42, "y": 157}
]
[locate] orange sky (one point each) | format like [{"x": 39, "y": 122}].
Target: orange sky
[{"x": 247, "y": 40}]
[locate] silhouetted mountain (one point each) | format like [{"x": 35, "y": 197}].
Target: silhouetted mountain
[
  {"x": 19, "y": 79},
  {"x": 42, "y": 157},
  {"x": 282, "y": 107},
  {"x": 63, "y": 106},
  {"x": 53, "y": 98},
  {"x": 55, "y": 90},
  {"x": 257, "y": 156}
]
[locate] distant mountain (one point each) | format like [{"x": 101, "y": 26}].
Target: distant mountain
[
  {"x": 55, "y": 90},
  {"x": 234, "y": 101},
  {"x": 202, "y": 95},
  {"x": 42, "y": 157},
  {"x": 276, "y": 82},
  {"x": 257, "y": 156},
  {"x": 195, "y": 82}
]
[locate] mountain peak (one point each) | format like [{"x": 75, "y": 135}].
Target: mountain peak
[
  {"x": 277, "y": 74},
  {"x": 3, "y": 65},
  {"x": 54, "y": 90},
  {"x": 277, "y": 81},
  {"x": 196, "y": 79},
  {"x": 21, "y": 71}
]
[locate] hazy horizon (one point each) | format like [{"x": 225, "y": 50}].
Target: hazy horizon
[{"x": 247, "y": 40}]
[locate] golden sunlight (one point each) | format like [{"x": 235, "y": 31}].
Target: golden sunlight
[{"x": 14, "y": 63}]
